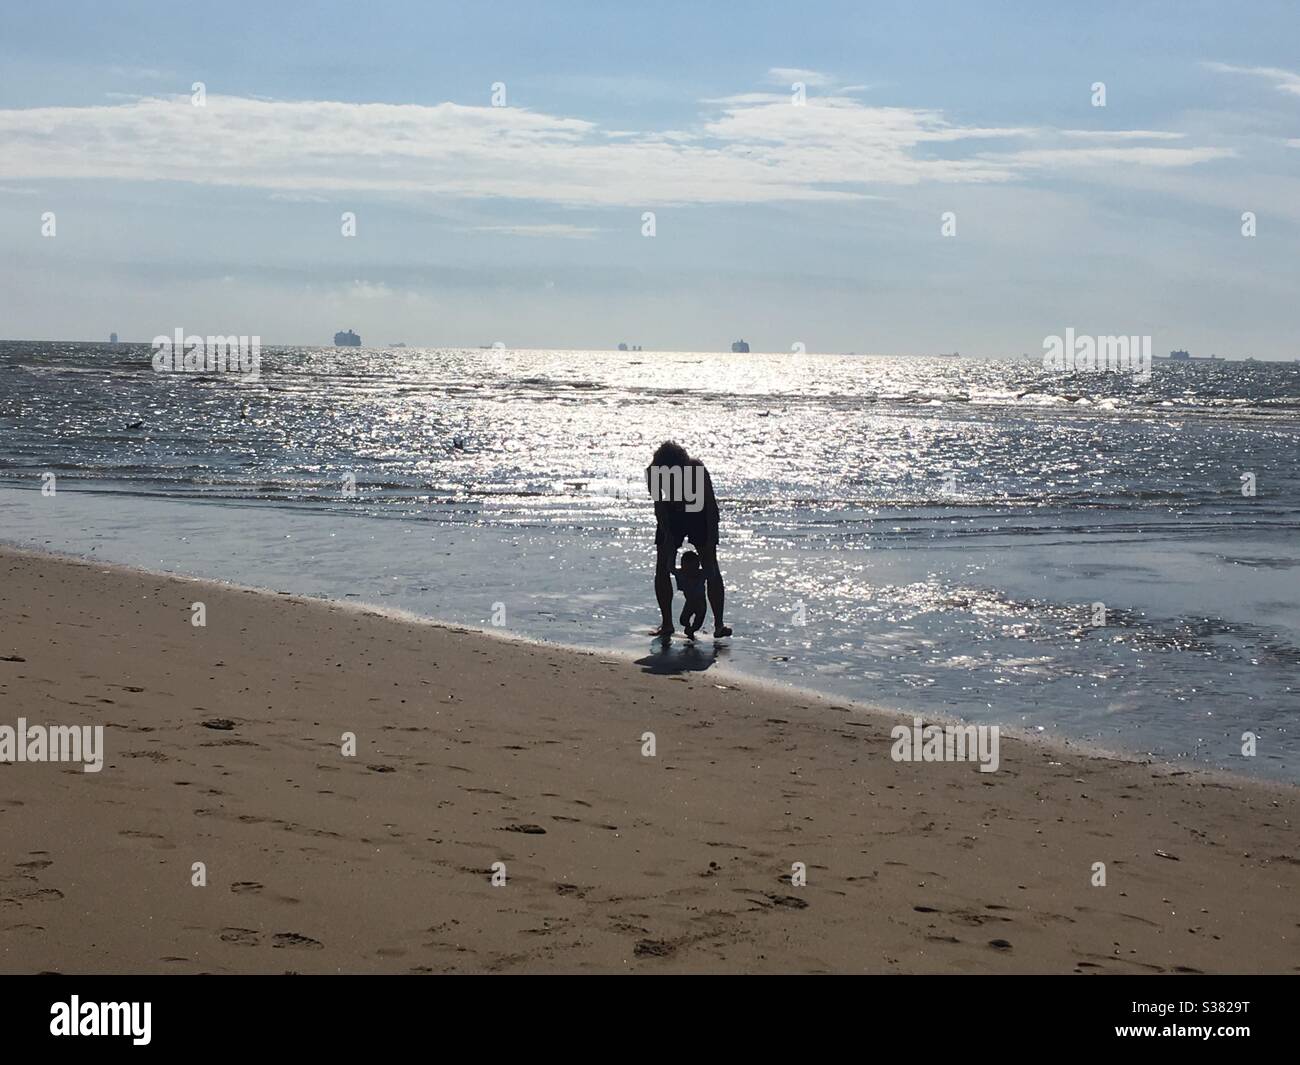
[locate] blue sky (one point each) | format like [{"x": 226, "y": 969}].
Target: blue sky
[{"x": 817, "y": 224}]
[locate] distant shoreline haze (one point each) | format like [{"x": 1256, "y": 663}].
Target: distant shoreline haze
[{"x": 410, "y": 345}]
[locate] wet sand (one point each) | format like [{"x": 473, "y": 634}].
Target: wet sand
[{"x": 224, "y": 746}]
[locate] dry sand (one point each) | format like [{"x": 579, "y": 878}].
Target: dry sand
[{"x": 224, "y": 747}]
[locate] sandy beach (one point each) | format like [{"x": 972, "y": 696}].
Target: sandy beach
[{"x": 224, "y": 745}]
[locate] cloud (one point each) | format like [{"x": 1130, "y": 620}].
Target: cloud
[
  {"x": 1064, "y": 158},
  {"x": 1283, "y": 80},
  {"x": 749, "y": 148}
]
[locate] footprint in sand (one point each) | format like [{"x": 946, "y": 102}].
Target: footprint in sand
[
  {"x": 45, "y": 894},
  {"x": 293, "y": 939},
  {"x": 788, "y": 901},
  {"x": 241, "y": 887},
  {"x": 244, "y": 937},
  {"x": 159, "y": 842}
]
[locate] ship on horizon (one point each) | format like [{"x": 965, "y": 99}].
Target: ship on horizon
[
  {"x": 1184, "y": 356},
  {"x": 739, "y": 347},
  {"x": 347, "y": 340}
]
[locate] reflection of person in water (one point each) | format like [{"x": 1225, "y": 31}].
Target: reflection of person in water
[{"x": 685, "y": 509}]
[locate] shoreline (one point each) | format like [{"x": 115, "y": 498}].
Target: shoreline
[
  {"x": 909, "y": 630},
  {"x": 1050, "y": 742},
  {"x": 223, "y": 747}
]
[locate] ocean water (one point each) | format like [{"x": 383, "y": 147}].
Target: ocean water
[{"x": 934, "y": 535}]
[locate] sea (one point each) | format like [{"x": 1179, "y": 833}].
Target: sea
[{"x": 1094, "y": 557}]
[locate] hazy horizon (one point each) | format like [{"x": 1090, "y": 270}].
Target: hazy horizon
[
  {"x": 908, "y": 179},
  {"x": 754, "y": 349}
]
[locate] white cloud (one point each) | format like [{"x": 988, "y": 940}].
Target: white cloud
[
  {"x": 750, "y": 148},
  {"x": 1064, "y": 158},
  {"x": 1283, "y": 80}
]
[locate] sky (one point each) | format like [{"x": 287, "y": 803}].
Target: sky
[{"x": 800, "y": 162}]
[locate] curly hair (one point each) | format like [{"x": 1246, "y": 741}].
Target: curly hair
[{"x": 670, "y": 453}]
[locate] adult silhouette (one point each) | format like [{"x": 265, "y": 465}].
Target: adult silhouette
[{"x": 685, "y": 509}]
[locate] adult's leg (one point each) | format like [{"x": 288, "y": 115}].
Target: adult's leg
[
  {"x": 665, "y": 556},
  {"x": 713, "y": 579}
]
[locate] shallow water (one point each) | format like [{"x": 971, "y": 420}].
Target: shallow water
[{"x": 924, "y": 534}]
